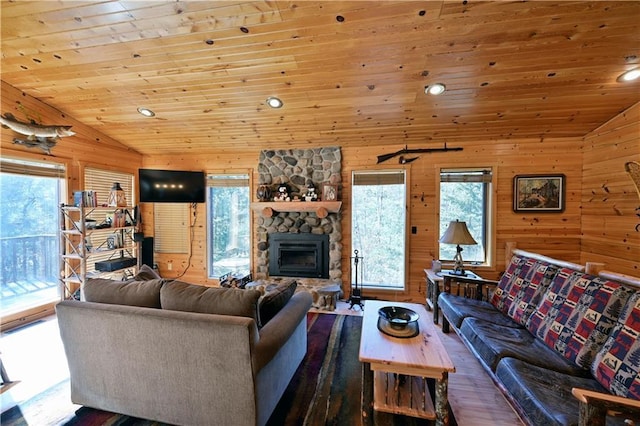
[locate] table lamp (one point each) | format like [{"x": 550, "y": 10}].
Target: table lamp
[{"x": 457, "y": 233}]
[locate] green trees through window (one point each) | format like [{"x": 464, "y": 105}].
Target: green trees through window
[
  {"x": 30, "y": 196},
  {"x": 465, "y": 196},
  {"x": 229, "y": 225},
  {"x": 379, "y": 228}
]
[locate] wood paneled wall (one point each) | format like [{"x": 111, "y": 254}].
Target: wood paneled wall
[
  {"x": 555, "y": 235},
  {"x": 551, "y": 234},
  {"x": 86, "y": 147},
  {"x": 598, "y": 223},
  {"x": 236, "y": 161},
  {"x": 610, "y": 203}
]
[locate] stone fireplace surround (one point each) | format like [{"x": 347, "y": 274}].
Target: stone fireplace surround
[{"x": 296, "y": 167}]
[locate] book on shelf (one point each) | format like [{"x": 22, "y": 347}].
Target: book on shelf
[
  {"x": 119, "y": 219},
  {"x": 85, "y": 198}
]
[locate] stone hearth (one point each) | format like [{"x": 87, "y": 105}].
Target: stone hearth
[{"x": 295, "y": 168}]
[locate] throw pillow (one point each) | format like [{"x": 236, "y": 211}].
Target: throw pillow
[
  {"x": 146, "y": 273},
  {"x": 133, "y": 293},
  {"x": 275, "y": 300},
  {"x": 617, "y": 365},
  {"x": 181, "y": 296},
  {"x": 521, "y": 287},
  {"x": 577, "y": 314}
]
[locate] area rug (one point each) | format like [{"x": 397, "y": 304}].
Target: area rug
[{"x": 325, "y": 390}]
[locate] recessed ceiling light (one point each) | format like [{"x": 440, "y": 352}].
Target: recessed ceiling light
[
  {"x": 274, "y": 102},
  {"x": 630, "y": 75},
  {"x": 146, "y": 112},
  {"x": 435, "y": 89}
]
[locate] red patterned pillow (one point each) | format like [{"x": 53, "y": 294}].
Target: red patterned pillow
[
  {"x": 617, "y": 365},
  {"x": 577, "y": 314},
  {"x": 499, "y": 298},
  {"x": 521, "y": 287}
]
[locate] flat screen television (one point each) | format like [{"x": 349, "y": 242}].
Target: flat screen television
[{"x": 171, "y": 186}]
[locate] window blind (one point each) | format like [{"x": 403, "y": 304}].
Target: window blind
[
  {"x": 387, "y": 177},
  {"x": 466, "y": 175},
  {"x": 228, "y": 181},
  {"x": 171, "y": 227},
  {"x": 31, "y": 168},
  {"x": 101, "y": 181}
]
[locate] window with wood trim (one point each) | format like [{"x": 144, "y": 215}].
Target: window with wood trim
[
  {"x": 378, "y": 227},
  {"x": 30, "y": 196},
  {"x": 229, "y": 218},
  {"x": 465, "y": 195}
]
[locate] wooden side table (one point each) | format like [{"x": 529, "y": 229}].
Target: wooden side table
[{"x": 434, "y": 281}]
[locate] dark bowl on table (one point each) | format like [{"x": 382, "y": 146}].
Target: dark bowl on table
[{"x": 398, "y": 317}]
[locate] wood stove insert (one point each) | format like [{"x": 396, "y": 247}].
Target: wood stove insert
[{"x": 299, "y": 255}]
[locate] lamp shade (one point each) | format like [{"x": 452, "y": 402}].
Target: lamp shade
[{"x": 457, "y": 233}]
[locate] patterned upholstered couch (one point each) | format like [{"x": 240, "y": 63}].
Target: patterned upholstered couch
[{"x": 550, "y": 330}]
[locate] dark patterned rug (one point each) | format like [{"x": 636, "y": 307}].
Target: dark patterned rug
[{"x": 326, "y": 389}]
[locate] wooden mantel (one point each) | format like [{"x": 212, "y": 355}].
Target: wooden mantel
[{"x": 320, "y": 208}]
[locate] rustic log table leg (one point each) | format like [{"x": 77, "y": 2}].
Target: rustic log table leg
[
  {"x": 441, "y": 400},
  {"x": 366, "y": 401},
  {"x": 434, "y": 300}
]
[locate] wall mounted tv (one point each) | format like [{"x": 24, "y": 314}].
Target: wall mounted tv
[{"x": 171, "y": 186}]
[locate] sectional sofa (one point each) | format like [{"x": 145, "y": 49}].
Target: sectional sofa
[
  {"x": 180, "y": 353},
  {"x": 563, "y": 345}
]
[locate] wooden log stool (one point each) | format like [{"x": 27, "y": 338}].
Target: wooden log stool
[{"x": 328, "y": 296}]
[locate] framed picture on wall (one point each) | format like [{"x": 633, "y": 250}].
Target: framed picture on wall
[
  {"x": 538, "y": 193},
  {"x": 329, "y": 192}
]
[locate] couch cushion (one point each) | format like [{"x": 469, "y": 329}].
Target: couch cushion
[
  {"x": 521, "y": 287},
  {"x": 577, "y": 314},
  {"x": 274, "y": 300},
  {"x": 493, "y": 342},
  {"x": 457, "y": 308},
  {"x": 146, "y": 273},
  {"x": 133, "y": 293},
  {"x": 181, "y": 296},
  {"x": 617, "y": 365},
  {"x": 543, "y": 394}
]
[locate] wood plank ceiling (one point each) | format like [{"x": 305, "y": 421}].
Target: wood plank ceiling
[{"x": 349, "y": 72}]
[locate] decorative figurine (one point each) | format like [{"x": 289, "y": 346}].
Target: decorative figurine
[
  {"x": 263, "y": 193},
  {"x": 283, "y": 193},
  {"x": 311, "y": 192}
]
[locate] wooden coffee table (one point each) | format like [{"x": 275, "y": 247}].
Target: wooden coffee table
[{"x": 400, "y": 368}]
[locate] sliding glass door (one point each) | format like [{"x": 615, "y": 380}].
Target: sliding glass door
[{"x": 30, "y": 195}]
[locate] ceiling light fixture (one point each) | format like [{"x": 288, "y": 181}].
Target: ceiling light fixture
[
  {"x": 630, "y": 75},
  {"x": 435, "y": 89},
  {"x": 146, "y": 112},
  {"x": 274, "y": 102}
]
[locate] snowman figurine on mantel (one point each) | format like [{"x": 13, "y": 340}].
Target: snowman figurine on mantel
[
  {"x": 311, "y": 192},
  {"x": 283, "y": 193}
]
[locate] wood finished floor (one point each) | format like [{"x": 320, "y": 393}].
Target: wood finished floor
[{"x": 474, "y": 398}]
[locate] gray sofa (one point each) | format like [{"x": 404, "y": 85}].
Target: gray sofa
[
  {"x": 172, "y": 360},
  {"x": 562, "y": 344}
]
